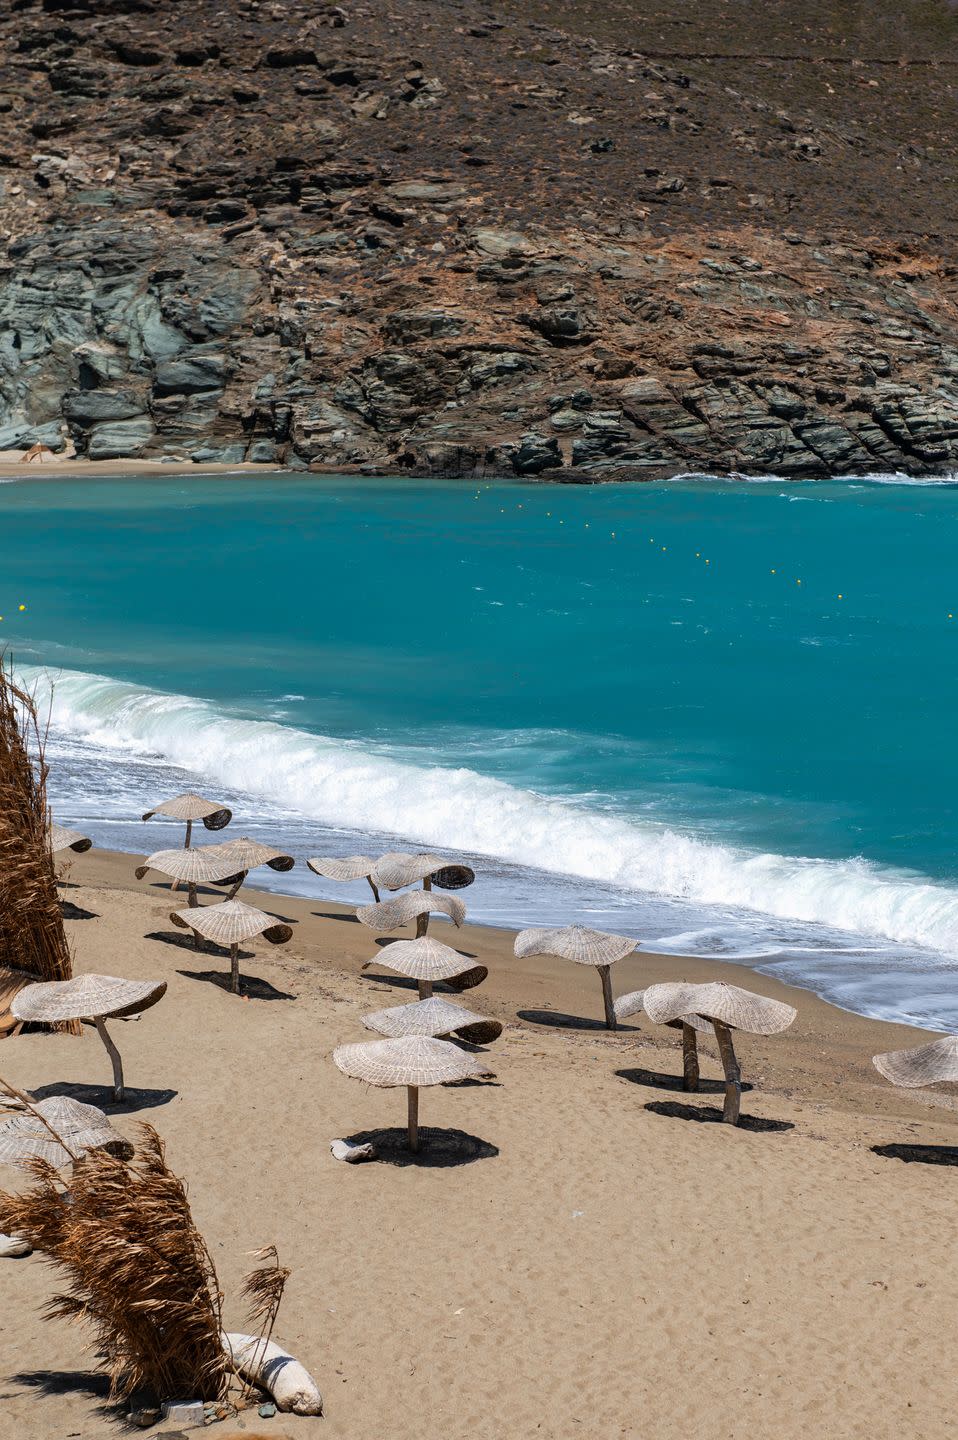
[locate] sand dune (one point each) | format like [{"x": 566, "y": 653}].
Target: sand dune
[{"x": 575, "y": 1256}]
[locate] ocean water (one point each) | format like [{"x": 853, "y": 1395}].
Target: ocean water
[{"x": 718, "y": 715}]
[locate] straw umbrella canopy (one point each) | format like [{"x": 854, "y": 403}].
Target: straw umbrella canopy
[
  {"x": 95, "y": 998},
  {"x": 427, "y": 960},
  {"x": 229, "y": 923},
  {"x": 727, "y": 1008},
  {"x": 434, "y": 1016},
  {"x": 63, "y": 839},
  {"x": 397, "y": 869},
  {"x": 413, "y": 1061},
  {"x": 246, "y": 855},
  {"x": 26, "y": 1136},
  {"x": 415, "y": 905},
  {"x": 927, "y": 1065},
  {"x": 195, "y": 867},
  {"x": 346, "y": 867},
  {"x": 583, "y": 947},
  {"x": 190, "y": 807}
]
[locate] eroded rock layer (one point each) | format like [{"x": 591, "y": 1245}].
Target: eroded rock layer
[{"x": 577, "y": 241}]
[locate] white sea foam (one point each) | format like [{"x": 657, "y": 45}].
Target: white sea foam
[{"x": 341, "y": 783}]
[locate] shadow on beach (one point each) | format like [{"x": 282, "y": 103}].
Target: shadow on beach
[
  {"x": 102, "y": 1096},
  {"x": 661, "y": 1081},
  {"x": 710, "y": 1114},
  {"x": 438, "y": 1149},
  {"x": 922, "y": 1154},
  {"x": 252, "y": 987},
  {"x": 69, "y": 911},
  {"x": 67, "y": 1382},
  {"x": 557, "y": 1020}
]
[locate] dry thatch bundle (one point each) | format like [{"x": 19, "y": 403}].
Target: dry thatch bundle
[
  {"x": 32, "y": 938},
  {"x": 140, "y": 1273}
]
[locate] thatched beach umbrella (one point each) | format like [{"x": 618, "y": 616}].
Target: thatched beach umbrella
[
  {"x": 434, "y": 1016},
  {"x": 190, "y": 807},
  {"x": 346, "y": 867},
  {"x": 582, "y": 946},
  {"x": 415, "y": 905},
  {"x": 24, "y": 1136},
  {"x": 95, "y": 998},
  {"x": 413, "y": 1061},
  {"x": 396, "y": 869},
  {"x": 246, "y": 855},
  {"x": 229, "y": 923},
  {"x": 634, "y": 1002},
  {"x": 426, "y": 960},
  {"x": 194, "y": 867},
  {"x": 927, "y": 1065},
  {"x": 727, "y": 1008},
  {"x": 63, "y": 839}
]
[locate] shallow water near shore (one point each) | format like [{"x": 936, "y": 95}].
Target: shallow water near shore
[{"x": 717, "y": 714}]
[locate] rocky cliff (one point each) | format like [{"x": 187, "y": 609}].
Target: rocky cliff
[{"x": 580, "y": 239}]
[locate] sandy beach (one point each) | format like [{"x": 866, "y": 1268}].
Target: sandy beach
[{"x": 574, "y": 1255}]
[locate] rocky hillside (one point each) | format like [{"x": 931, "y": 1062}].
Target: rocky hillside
[{"x": 581, "y": 238}]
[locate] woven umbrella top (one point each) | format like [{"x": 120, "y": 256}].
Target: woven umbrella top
[
  {"x": 231, "y": 921},
  {"x": 434, "y": 1016},
  {"x": 82, "y": 1127},
  {"x": 85, "y": 997},
  {"x": 345, "y": 867},
  {"x": 245, "y": 854},
  {"x": 396, "y": 869},
  {"x": 730, "y": 1004},
  {"x": 576, "y": 943},
  {"x": 927, "y": 1065},
  {"x": 390, "y": 914},
  {"x": 63, "y": 839},
  {"x": 423, "y": 959},
  {"x": 191, "y": 807},
  {"x": 411, "y": 1060},
  {"x": 634, "y": 1003},
  {"x": 202, "y": 863}
]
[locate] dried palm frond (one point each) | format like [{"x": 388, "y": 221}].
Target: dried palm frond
[
  {"x": 32, "y": 938},
  {"x": 140, "y": 1274}
]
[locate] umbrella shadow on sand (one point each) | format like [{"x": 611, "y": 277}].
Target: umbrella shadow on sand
[
  {"x": 95, "y": 1385},
  {"x": 69, "y": 911},
  {"x": 923, "y": 1154},
  {"x": 102, "y": 1096},
  {"x": 711, "y": 1114},
  {"x": 558, "y": 1020},
  {"x": 438, "y": 1149},
  {"x": 658, "y": 1080},
  {"x": 252, "y": 987}
]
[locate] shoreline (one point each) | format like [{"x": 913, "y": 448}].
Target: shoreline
[{"x": 825, "y": 1040}]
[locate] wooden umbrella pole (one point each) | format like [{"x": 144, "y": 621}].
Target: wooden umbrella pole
[
  {"x": 690, "y": 1059},
  {"x": 422, "y": 925},
  {"x": 114, "y": 1055},
  {"x": 189, "y": 834},
  {"x": 413, "y": 1121},
  {"x": 240, "y": 881},
  {"x": 605, "y": 974},
  {"x": 733, "y": 1075},
  {"x": 234, "y": 969},
  {"x": 373, "y": 887},
  {"x": 427, "y": 882},
  {"x": 425, "y": 989}
]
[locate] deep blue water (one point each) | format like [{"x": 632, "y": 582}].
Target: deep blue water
[{"x": 723, "y": 713}]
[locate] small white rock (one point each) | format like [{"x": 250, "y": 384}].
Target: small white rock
[{"x": 342, "y": 1150}]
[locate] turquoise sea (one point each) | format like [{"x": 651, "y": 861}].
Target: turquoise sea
[{"x": 719, "y": 715}]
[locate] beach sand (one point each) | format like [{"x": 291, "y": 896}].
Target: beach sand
[{"x": 576, "y": 1257}]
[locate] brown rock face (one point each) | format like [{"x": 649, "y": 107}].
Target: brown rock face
[{"x": 577, "y": 240}]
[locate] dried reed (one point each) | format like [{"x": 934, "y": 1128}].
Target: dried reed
[
  {"x": 140, "y": 1273},
  {"x": 33, "y": 941}
]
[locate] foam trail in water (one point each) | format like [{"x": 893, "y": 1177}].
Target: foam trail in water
[{"x": 341, "y": 784}]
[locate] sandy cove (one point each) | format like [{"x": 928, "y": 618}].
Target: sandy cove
[{"x": 597, "y": 1265}]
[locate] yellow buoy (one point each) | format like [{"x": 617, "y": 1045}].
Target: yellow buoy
[{"x": 21, "y": 607}]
